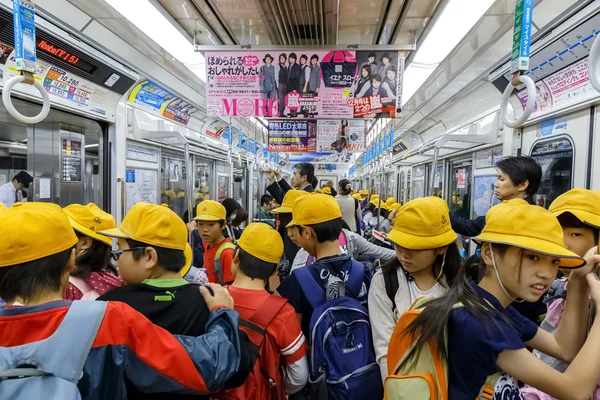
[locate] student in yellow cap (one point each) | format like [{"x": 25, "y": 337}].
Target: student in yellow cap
[
  {"x": 376, "y": 218},
  {"x": 94, "y": 275},
  {"x": 284, "y": 217},
  {"x": 97, "y": 345},
  {"x": 257, "y": 254},
  {"x": 426, "y": 261},
  {"x": 390, "y": 201},
  {"x": 523, "y": 247},
  {"x": 333, "y": 279},
  {"x": 211, "y": 218},
  {"x": 578, "y": 212},
  {"x": 327, "y": 190}
]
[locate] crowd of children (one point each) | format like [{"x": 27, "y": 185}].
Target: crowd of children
[{"x": 300, "y": 305}]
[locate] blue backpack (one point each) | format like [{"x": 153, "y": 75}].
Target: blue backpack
[
  {"x": 342, "y": 360},
  {"x": 50, "y": 369}
]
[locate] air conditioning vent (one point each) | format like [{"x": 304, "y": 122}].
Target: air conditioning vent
[{"x": 306, "y": 31}]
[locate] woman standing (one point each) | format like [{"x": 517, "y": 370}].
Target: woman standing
[{"x": 349, "y": 206}]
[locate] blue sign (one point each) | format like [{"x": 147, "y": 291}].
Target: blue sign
[
  {"x": 24, "y": 29},
  {"x": 130, "y": 175},
  {"x": 391, "y": 144}
]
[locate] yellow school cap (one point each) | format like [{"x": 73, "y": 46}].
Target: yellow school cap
[
  {"x": 327, "y": 190},
  {"x": 31, "y": 231},
  {"x": 422, "y": 224},
  {"x": 364, "y": 192},
  {"x": 582, "y": 203},
  {"x": 2, "y": 207},
  {"x": 210, "y": 210},
  {"x": 90, "y": 220},
  {"x": 288, "y": 201},
  {"x": 170, "y": 194},
  {"x": 189, "y": 255},
  {"x": 517, "y": 223},
  {"x": 357, "y": 197},
  {"x": 315, "y": 209},
  {"x": 390, "y": 201},
  {"x": 396, "y": 206},
  {"x": 180, "y": 195},
  {"x": 262, "y": 242},
  {"x": 320, "y": 191},
  {"x": 154, "y": 225}
]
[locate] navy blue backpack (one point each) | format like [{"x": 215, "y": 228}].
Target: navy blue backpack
[{"x": 342, "y": 360}]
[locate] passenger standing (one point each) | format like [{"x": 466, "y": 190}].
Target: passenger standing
[
  {"x": 12, "y": 192},
  {"x": 96, "y": 346},
  {"x": 282, "y": 75},
  {"x": 268, "y": 83},
  {"x": 349, "y": 206},
  {"x": 487, "y": 339},
  {"x": 264, "y": 214},
  {"x": 282, "y": 358},
  {"x": 93, "y": 274},
  {"x": 236, "y": 217},
  {"x": 218, "y": 251},
  {"x": 284, "y": 214},
  {"x": 302, "y": 179},
  {"x": 332, "y": 188},
  {"x": 426, "y": 263}
]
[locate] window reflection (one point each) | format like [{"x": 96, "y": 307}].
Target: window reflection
[{"x": 556, "y": 159}]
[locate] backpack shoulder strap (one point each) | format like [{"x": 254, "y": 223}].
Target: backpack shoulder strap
[
  {"x": 390, "y": 278},
  {"x": 267, "y": 312},
  {"x": 218, "y": 267},
  {"x": 313, "y": 292},
  {"x": 81, "y": 284},
  {"x": 356, "y": 278},
  {"x": 222, "y": 248}
]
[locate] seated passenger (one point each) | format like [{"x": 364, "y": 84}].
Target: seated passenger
[
  {"x": 264, "y": 214},
  {"x": 93, "y": 274},
  {"x": 426, "y": 261},
  {"x": 255, "y": 261},
  {"x": 218, "y": 250},
  {"x": 35, "y": 263},
  {"x": 578, "y": 212}
]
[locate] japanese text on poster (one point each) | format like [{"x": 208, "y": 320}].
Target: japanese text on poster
[
  {"x": 292, "y": 136},
  {"x": 340, "y": 135}
]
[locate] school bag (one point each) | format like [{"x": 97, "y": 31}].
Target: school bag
[
  {"x": 50, "y": 369},
  {"x": 265, "y": 380},
  {"x": 89, "y": 293},
  {"x": 342, "y": 360},
  {"x": 425, "y": 376},
  {"x": 218, "y": 267}
]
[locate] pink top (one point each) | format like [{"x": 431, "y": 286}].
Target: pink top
[{"x": 102, "y": 282}]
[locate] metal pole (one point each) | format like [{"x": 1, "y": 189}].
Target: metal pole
[
  {"x": 436, "y": 153},
  {"x": 189, "y": 185}
]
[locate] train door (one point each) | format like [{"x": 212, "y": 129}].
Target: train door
[
  {"x": 554, "y": 144},
  {"x": 401, "y": 189},
  {"x": 222, "y": 181},
  {"x": 459, "y": 178},
  {"x": 437, "y": 180},
  {"x": 418, "y": 183},
  {"x": 173, "y": 181},
  {"x": 203, "y": 174}
]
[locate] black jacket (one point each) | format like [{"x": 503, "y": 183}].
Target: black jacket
[{"x": 279, "y": 189}]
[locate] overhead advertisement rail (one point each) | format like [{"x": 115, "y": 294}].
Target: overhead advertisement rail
[{"x": 76, "y": 76}]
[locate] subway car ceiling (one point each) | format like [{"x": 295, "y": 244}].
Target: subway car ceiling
[{"x": 450, "y": 110}]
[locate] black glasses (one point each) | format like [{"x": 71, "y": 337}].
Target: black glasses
[{"x": 117, "y": 253}]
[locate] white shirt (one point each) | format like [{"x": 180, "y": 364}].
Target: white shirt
[
  {"x": 7, "y": 194},
  {"x": 435, "y": 291}
]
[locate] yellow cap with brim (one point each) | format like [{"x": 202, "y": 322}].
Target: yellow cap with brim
[
  {"x": 357, "y": 197},
  {"x": 315, "y": 209},
  {"x": 517, "y": 223},
  {"x": 288, "y": 201},
  {"x": 582, "y": 203},
  {"x": 189, "y": 255},
  {"x": 327, "y": 190},
  {"x": 262, "y": 242},
  {"x": 153, "y": 225},
  {"x": 210, "y": 210},
  {"x": 390, "y": 201},
  {"x": 396, "y": 206},
  {"x": 31, "y": 231},
  {"x": 422, "y": 224},
  {"x": 89, "y": 220}
]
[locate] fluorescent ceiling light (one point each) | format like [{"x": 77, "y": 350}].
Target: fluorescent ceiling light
[
  {"x": 151, "y": 21},
  {"x": 87, "y": 146},
  {"x": 455, "y": 21}
]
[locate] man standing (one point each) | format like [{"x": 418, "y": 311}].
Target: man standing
[
  {"x": 268, "y": 83},
  {"x": 281, "y": 75},
  {"x": 12, "y": 192},
  {"x": 302, "y": 178}
]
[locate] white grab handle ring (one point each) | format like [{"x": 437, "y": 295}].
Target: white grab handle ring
[
  {"x": 531, "y": 94},
  {"x": 594, "y": 64},
  {"x": 13, "y": 111}
]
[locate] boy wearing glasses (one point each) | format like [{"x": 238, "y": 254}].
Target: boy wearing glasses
[{"x": 150, "y": 257}]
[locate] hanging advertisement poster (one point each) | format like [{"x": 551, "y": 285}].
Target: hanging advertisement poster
[
  {"x": 340, "y": 135},
  {"x": 292, "y": 136},
  {"x": 302, "y": 84},
  {"x": 152, "y": 97},
  {"x": 461, "y": 178},
  {"x": 322, "y": 158}
]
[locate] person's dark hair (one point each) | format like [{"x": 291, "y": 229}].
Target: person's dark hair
[
  {"x": 306, "y": 169},
  {"x": 266, "y": 199},
  {"x": 283, "y": 55},
  {"x": 384, "y": 213},
  {"x": 376, "y": 77},
  {"x": 345, "y": 187},
  {"x": 326, "y": 231},
  {"x": 169, "y": 259},
  {"x": 433, "y": 319},
  {"x": 28, "y": 279},
  {"x": 293, "y": 55},
  {"x": 94, "y": 259},
  {"x": 520, "y": 169},
  {"x": 345, "y": 225},
  {"x": 254, "y": 267},
  {"x": 568, "y": 220},
  {"x": 304, "y": 56},
  {"x": 314, "y": 56},
  {"x": 314, "y": 182},
  {"x": 390, "y": 68},
  {"x": 366, "y": 68},
  {"x": 231, "y": 206},
  {"x": 240, "y": 217},
  {"x": 371, "y": 207},
  {"x": 284, "y": 220}
]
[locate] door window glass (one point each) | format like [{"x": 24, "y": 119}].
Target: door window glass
[
  {"x": 173, "y": 184},
  {"x": 556, "y": 159},
  {"x": 460, "y": 190}
]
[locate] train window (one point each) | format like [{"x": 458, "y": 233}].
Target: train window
[
  {"x": 401, "y": 187},
  {"x": 460, "y": 189},
  {"x": 419, "y": 182},
  {"x": 408, "y": 186},
  {"x": 483, "y": 197},
  {"x": 173, "y": 184},
  {"x": 202, "y": 179},
  {"x": 556, "y": 159}
]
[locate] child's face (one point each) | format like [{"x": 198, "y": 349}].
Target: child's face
[
  {"x": 210, "y": 230},
  {"x": 307, "y": 239},
  {"x": 130, "y": 270},
  {"x": 415, "y": 261},
  {"x": 579, "y": 241}
]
